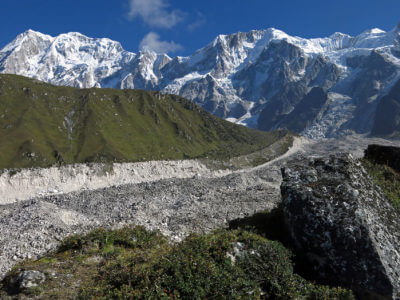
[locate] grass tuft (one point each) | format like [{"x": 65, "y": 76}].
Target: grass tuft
[{"x": 387, "y": 178}]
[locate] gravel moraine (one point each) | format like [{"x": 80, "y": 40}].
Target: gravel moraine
[{"x": 198, "y": 201}]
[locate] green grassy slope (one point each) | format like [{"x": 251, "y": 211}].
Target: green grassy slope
[{"x": 41, "y": 124}]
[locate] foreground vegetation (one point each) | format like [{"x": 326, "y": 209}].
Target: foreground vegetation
[
  {"x": 387, "y": 178},
  {"x": 42, "y": 125},
  {"x": 139, "y": 264}
]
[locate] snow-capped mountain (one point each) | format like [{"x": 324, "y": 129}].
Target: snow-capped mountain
[{"x": 265, "y": 79}]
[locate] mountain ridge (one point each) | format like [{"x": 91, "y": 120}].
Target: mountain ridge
[{"x": 255, "y": 78}]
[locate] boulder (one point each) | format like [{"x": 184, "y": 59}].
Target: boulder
[
  {"x": 343, "y": 224},
  {"x": 26, "y": 280}
]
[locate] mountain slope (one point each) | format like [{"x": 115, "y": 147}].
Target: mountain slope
[
  {"x": 41, "y": 124},
  {"x": 256, "y": 78},
  {"x": 387, "y": 117}
]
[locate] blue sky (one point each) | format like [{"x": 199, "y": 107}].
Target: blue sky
[{"x": 182, "y": 26}]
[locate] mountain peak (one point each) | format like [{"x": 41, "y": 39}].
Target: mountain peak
[
  {"x": 235, "y": 76},
  {"x": 397, "y": 28},
  {"x": 74, "y": 34},
  {"x": 146, "y": 51},
  {"x": 27, "y": 35},
  {"x": 33, "y": 33},
  {"x": 30, "y": 31},
  {"x": 277, "y": 33},
  {"x": 373, "y": 31}
]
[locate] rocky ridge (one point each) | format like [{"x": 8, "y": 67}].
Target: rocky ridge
[{"x": 260, "y": 78}]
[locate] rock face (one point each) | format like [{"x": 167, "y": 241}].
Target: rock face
[
  {"x": 343, "y": 223},
  {"x": 387, "y": 116},
  {"x": 259, "y": 78}
]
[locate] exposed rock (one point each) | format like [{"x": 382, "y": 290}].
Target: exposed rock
[
  {"x": 26, "y": 280},
  {"x": 387, "y": 116},
  {"x": 343, "y": 223},
  {"x": 306, "y": 111}
]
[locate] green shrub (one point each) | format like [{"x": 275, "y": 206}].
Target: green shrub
[
  {"x": 133, "y": 263},
  {"x": 200, "y": 268},
  {"x": 388, "y": 179}
]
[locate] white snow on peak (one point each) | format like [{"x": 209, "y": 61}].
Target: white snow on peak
[
  {"x": 29, "y": 34},
  {"x": 209, "y": 74},
  {"x": 67, "y": 59}
]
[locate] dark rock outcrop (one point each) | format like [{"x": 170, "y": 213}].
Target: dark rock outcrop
[
  {"x": 342, "y": 222},
  {"x": 306, "y": 111},
  {"x": 387, "y": 116}
]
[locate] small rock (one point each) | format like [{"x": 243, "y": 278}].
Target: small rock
[{"x": 27, "y": 279}]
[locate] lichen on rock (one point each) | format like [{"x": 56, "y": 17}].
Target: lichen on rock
[{"x": 343, "y": 223}]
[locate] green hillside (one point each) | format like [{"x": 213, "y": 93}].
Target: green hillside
[{"x": 41, "y": 125}]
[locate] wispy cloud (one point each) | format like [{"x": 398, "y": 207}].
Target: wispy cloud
[
  {"x": 155, "y": 13},
  {"x": 200, "y": 21},
  {"x": 152, "y": 42}
]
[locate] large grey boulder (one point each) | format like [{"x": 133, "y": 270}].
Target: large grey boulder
[
  {"x": 30, "y": 279},
  {"x": 25, "y": 280},
  {"x": 343, "y": 223}
]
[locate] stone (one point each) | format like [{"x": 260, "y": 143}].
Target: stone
[
  {"x": 343, "y": 224},
  {"x": 26, "y": 280}
]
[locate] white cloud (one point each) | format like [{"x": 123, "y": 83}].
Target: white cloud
[
  {"x": 201, "y": 20},
  {"x": 155, "y": 13},
  {"x": 152, "y": 42}
]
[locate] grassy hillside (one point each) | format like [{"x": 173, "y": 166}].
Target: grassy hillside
[{"x": 41, "y": 124}]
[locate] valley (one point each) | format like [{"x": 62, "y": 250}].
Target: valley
[{"x": 239, "y": 171}]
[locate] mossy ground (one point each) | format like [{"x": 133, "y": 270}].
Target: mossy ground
[
  {"x": 133, "y": 263},
  {"x": 387, "y": 178},
  {"x": 42, "y": 125}
]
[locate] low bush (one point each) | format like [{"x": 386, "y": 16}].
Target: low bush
[
  {"x": 133, "y": 263},
  {"x": 387, "y": 178}
]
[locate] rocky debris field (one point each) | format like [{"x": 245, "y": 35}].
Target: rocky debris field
[
  {"x": 24, "y": 184},
  {"x": 200, "y": 201},
  {"x": 343, "y": 223},
  {"x": 175, "y": 206}
]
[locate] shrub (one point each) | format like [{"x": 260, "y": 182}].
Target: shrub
[{"x": 202, "y": 267}]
